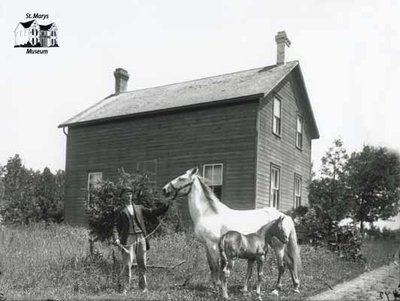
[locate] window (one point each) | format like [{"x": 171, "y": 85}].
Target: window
[
  {"x": 213, "y": 173},
  {"x": 149, "y": 167},
  {"x": 93, "y": 181},
  {"x": 275, "y": 182},
  {"x": 299, "y": 132},
  {"x": 297, "y": 191},
  {"x": 276, "y": 124}
]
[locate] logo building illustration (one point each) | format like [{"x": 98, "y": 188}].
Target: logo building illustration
[{"x": 32, "y": 34}]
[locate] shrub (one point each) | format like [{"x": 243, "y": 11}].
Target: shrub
[
  {"x": 313, "y": 229},
  {"x": 105, "y": 202},
  {"x": 347, "y": 242},
  {"x": 388, "y": 233}
]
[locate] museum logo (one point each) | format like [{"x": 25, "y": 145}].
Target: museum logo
[{"x": 34, "y": 36}]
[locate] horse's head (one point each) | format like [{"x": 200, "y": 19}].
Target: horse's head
[
  {"x": 279, "y": 230},
  {"x": 181, "y": 185}
]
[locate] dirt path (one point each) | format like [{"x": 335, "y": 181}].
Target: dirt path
[{"x": 366, "y": 287}]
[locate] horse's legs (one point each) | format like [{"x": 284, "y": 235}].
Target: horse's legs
[
  {"x": 293, "y": 272},
  {"x": 279, "y": 252},
  {"x": 250, "y": 264},
  {"x": 295, "y": 279},
  {"x": 260, "y": 274},
  {"x": 213, "y": 262}
]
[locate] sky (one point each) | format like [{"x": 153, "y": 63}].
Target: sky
[{"x": 349, "y": 53}]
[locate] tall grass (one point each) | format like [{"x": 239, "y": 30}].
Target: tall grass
[{"x": 42, "y": 262}]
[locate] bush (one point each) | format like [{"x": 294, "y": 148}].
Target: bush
[
  {"x": 309, "y": 226},
  {"x": 373, "y": 232},
  {"x": 388, "y": 234},
  {"x": 105, "y": 202},
  {"x": 344, "y": 240},
  {"x": 348, "y": 242}
]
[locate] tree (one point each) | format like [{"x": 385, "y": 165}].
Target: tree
[
  {"x": 373, "y": 184},
  {"x": 18, "y": 191},
  {"x": 48, "y": 201},
  {"x": 31, "y": 196},
  {"x": 327, "y": 194}
]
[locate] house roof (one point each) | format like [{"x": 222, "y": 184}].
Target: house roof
[
  {"x": 254, "y": 82},
  {"x": 45, "y": 27},
  {"x": 27, "y": 24}
]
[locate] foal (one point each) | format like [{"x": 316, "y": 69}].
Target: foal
[{"x": 253, "y": 247}]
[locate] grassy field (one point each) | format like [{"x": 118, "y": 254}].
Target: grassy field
[{"x": 42, "y": 262}]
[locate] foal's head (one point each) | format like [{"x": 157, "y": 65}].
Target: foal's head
[
  {"x": 181, "y": 185},
  {"x": 277, "y": 229}
]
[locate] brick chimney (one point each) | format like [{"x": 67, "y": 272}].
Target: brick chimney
[
  {"x": 281, "y": 40},
  {"x": 121, "y": 80}
]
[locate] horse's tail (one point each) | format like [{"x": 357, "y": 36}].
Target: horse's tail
[
  {"x": 222, "y": 252},
  {"x": 293, "y": 250}
]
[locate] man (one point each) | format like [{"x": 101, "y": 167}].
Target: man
[{"x": 130, "y": 232}]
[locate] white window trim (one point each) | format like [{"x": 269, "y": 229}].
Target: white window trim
[
  {"x": 271, "y": 204},
  {"x": 276, "y": 98},
  {"x": 297, "y": 177},
  {"x": 302, "y": 131},
  {"x": 88, "y": 180},
  {"x": 222, "y": 174}
]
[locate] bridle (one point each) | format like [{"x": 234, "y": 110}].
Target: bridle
[{"x": 176, "y": 190}]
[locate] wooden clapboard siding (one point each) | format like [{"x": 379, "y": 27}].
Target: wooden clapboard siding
[
  {"x": 282, "y": 151},
  {"x": 178, "y": 141}
]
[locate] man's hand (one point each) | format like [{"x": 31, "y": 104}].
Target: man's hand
[{"x": 117, "y": 242}]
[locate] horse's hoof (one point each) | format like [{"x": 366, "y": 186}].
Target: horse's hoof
[{"x": 275, "y": 292}]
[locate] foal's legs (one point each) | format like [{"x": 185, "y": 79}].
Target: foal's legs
[
  {"x": 260, "y": 274},
  {"x": 250, "y": 264},
  {"x": 225, "y": 273}
]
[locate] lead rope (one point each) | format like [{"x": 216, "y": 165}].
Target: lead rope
[{"x": 158, "y": 226}]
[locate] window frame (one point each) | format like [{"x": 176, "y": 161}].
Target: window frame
[
  {"x": 301, "y": 134},
  {"x": 274, "y": 118},
  {"x": 211, "y": 185},
  {"x": 89, "y": 182},
  {"x": 297, "y": 196},
  {"x": 272, "y": 189}
]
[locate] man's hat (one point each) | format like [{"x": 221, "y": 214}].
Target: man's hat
[{"x": 126, "y": 189}]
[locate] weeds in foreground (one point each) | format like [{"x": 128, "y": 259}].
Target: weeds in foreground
[{"x": 41, "y": 262}]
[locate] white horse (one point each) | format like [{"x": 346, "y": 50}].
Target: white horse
[{"x": 212, "y": 219}]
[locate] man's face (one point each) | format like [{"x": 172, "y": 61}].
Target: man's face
[{"x": 127, "y": 197}]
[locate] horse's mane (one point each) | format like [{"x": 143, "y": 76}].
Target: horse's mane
[{"x": 209, "y": 194}]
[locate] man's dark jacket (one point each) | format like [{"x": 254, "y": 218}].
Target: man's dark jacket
[{"x": 121, "y": 225}]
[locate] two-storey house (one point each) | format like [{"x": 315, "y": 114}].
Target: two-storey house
[{"x": 250, "y": 132}]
